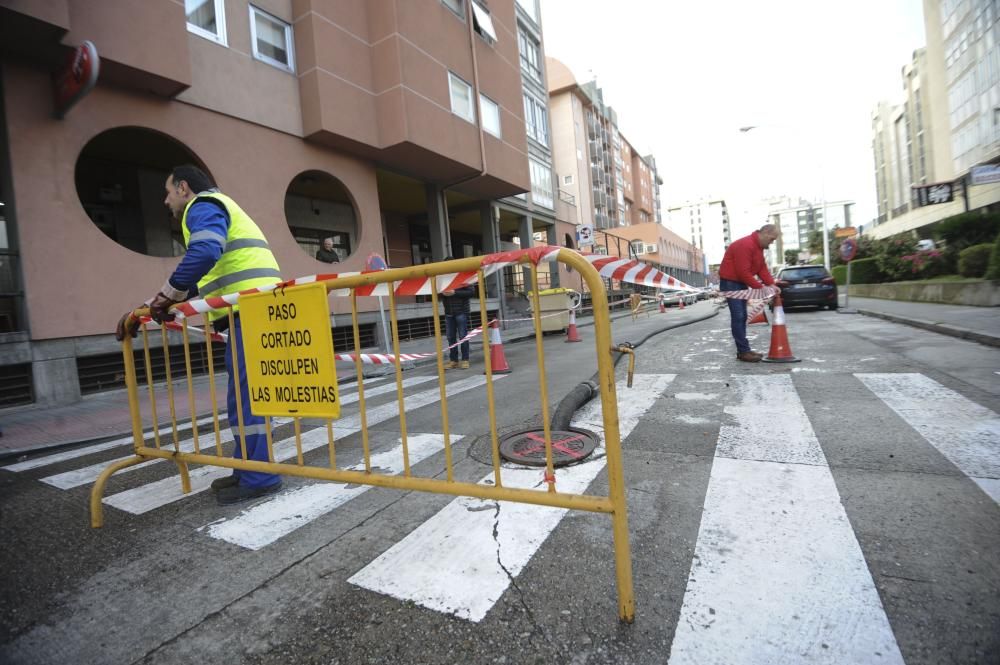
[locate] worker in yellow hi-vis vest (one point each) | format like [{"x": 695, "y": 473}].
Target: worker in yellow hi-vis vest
[{"x": 226, "y": 253}]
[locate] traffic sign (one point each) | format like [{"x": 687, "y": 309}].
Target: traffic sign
[
  {"x": 375, "y": 262},
  {"x": 848, "y": 249},
  {"x": 289, "y": 352}
]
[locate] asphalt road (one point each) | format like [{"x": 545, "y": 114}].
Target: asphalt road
[{"x": 843, "y": 509}]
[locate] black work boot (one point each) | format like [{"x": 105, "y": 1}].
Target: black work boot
[
  {"x": 222, "y": 483},
  {"x": 240, "y": 493}
]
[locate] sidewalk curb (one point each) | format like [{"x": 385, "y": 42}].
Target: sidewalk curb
[{"x": 940, "y": 328}]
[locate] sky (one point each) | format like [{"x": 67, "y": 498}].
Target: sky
[{"x": 684, "y": 76}]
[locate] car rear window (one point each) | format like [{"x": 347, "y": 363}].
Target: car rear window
[{"x": 808, "y": 272}]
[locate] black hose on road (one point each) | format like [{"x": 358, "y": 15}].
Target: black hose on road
[{"x": 589, "y": 389}]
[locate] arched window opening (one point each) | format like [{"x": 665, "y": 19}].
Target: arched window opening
[
  {"x": 120, "y": 177},
  {"x": 321, "y": 216}
]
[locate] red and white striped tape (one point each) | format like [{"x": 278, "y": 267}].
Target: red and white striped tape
[
  {"x": 366, "y": 358},
  {"x": 625, "y": 270},
  {"x": 757, "y": 298}
]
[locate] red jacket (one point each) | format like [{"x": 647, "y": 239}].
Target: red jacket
[{"x": 744, "y": 262}]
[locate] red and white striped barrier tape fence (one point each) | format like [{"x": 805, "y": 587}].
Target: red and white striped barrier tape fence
[{"x": 625, "y": 270}]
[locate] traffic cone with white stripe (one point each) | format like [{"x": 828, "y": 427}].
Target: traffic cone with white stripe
[
  {"x": 663, "y": 308},
  {"x": 572, "y": 335},
  {"x": 780, "y": 351},
  {"x": 681, "y": 304},
  {"x": 758, "y": 318},
  {"x": 498, "y": 362}
]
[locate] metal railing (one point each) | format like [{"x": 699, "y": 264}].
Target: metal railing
[{"x": 210, "y": 449}]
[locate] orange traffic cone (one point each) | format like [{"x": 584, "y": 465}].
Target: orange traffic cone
[
  {"x": 760, "y": 318},
  {"x": 497, "y": 360},
  {"x": 780, "y": 351},
  {"x": 572, "y": 335},
  {"x": 663, "y": 308},
  {"x": 681, "y": 304}
]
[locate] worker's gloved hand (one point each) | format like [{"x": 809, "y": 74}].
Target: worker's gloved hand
[
  {"x": 126, "y": 326},
  {"x": 159, "y": 306}
]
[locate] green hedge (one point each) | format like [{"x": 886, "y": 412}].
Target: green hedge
[
  {"x": 973, "y": 261},
  {"x": 840, "y": 274},
  {"x": 864, "y": 271},
  {"x": 993, "y": 272}
]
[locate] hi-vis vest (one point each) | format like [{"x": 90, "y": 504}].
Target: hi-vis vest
[{"x": 246, "y": 261}]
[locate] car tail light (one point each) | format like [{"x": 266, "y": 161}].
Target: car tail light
[{"x": 828, "y": 280}]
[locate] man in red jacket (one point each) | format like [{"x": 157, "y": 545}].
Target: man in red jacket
[{"x": 743, "y": 267}]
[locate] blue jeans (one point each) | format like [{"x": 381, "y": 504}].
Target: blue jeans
[
  {"x": 457, "y": 327},
  {"x": 737, "y": 314},
  {"x": 254, "y": 426}
]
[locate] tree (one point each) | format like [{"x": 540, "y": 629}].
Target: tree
[{"x": 791, "y": 257}]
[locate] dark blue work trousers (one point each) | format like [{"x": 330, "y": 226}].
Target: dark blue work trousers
[{"x": 254, "y": 426}]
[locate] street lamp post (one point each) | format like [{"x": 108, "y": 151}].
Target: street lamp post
[{"x": 822, "y": 183}]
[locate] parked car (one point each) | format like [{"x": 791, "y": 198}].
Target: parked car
[
  {"x": 807, "y": 285},
  {"x": 673, "y": 298}
]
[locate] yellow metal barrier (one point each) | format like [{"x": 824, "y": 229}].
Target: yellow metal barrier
[{"x": 613, "y": 503}]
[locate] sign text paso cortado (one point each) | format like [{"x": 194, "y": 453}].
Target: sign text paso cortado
[{"x": 289, "y": 349}]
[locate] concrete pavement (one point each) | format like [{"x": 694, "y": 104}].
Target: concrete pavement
[{"x": 979, "y": 324}]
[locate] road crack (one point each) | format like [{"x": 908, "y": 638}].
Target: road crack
[{"x": 536, "y": 627}]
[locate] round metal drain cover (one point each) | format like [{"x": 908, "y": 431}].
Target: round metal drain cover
[{"x": 528, "y": 446}]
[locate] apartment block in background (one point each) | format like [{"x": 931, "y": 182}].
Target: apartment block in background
[
  {"x": 705, "y": 223},
  {"x": 799, "y": 219},
  {"x": 616, "y": 189},
  {"x": 947, "y": 124}
]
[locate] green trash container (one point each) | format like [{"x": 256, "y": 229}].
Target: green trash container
[{"x": 551, "y": 301}]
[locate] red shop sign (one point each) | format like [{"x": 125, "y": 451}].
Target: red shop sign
[{"x": 77, "y": 77}]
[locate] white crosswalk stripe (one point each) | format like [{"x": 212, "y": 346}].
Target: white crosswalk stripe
[
  {"x": 964, "y": 432},
  {"x": 67, "y": 455},
  {"x": 266, "y": 522},
  {"x": 775, "y": 549},
  {"x": 452, "y": 563},
  {"x": 162, "y": 492},
  {"x": 183, "y": 428},
  {"x": 87, "y": 475}
]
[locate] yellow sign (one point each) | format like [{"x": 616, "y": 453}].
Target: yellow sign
[{"x": 289, "y": 353}]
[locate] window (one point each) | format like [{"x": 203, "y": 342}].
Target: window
[
  {"x": 483, "y": 24},
  {"x": 207, "y": 18},
  {"x": 541, "y": 184},
  {"x": 271, "y": 39},
  {"x": 490, "y": 112},
  {"x": 638, "y": 247},
  {"x": 568, "y": 179},
  {"x": 535, "y": 121},
  {"x": 455, "y": 6},
  {"x": 529, "y": 6},
  {"x": 461, "y": 98},
  {"x": 528, "y": 46}
]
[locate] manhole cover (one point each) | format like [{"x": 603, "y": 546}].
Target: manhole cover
[{"x": 528, "y": 446}]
